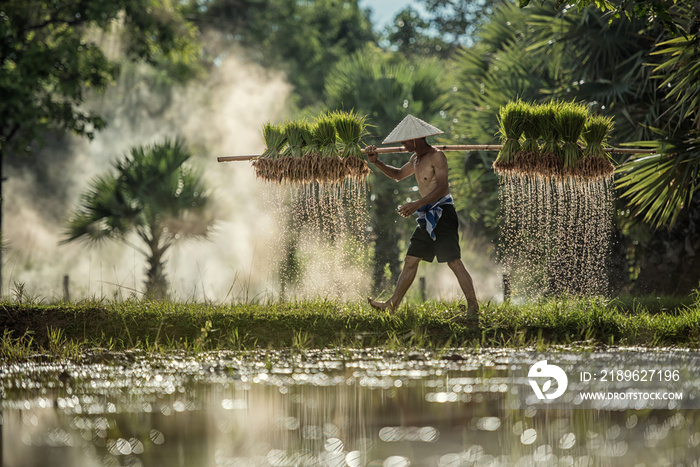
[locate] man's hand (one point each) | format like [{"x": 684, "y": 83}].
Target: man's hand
[
  {"x": 406, "y": 210},
  {"x": 371, "y": 152}
]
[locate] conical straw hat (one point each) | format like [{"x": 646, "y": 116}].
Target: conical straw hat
[{"x": 411, "y": 128}]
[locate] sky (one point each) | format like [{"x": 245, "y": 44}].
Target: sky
[{"x": 384, "y": 11}]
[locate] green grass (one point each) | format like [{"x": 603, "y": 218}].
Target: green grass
[{"x": 65, "y": 330}]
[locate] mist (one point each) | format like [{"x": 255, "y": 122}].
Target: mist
[{"x": 221, "y": 114}]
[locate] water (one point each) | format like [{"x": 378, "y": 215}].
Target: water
[
  {"x": 555, "y": 234},
  {"x": 368, "y": 407},
  {"x": 323, "y": 248}
]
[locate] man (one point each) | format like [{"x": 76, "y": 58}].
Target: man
[{"x": 437, "y": 230}]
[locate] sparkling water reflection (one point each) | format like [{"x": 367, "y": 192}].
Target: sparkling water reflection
[{"x": 330, "y": 408}]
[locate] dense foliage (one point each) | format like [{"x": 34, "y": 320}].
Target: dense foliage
[
  {"x": 613, "y": 65},
  {"x": 302, "y": 38},
  {"x": 50, "y": 58}
]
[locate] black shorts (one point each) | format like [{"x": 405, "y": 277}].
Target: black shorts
[{"x": 446, "y": 243}]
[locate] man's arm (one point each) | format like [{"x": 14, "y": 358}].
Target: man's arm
[
  {"x": 390, "y": 171},
  {"x": 442, "y": 186}
]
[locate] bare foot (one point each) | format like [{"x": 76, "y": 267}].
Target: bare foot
[
  {"x": 380, "y": 305},
  {"x": 471, "y": 312}
]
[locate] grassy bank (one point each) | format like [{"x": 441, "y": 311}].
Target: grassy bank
[{"x": 68, "y": 329}]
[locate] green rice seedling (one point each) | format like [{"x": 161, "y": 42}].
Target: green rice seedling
[
  {"x": 527, "y": 159},
  {"x": 511, "y": 119},
  {"x": 596, "y": 163},
  {"x": 298, "y": 135},
  {"x": 531, "y": 129},
  {"x": 546, "y": 118},
  {"x": 351, "y": 127},
  {"x": 550, "y": 162},
  {"x": 571, "y": 118},
  {"x": 325, "y": 136},
  {"x": 311, "y": 144},
  {"x": 595, "y": 134},
  {"x": 274, "y": 140}
]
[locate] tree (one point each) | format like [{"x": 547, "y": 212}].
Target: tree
[
  {"x": 303, "y": 38},
  {"x": 659, "y": 187},
  {"x": 665, "y": 13},
  {"x": 153, "y": 193},
  {"x": 650, "y": 82},
  {"x": 50, "y": 58},
  {"x": 386, "y": 87},
  {"x": 494, "y": 71},
  {"x": 411, "y": 34},
  {"x": 445, "y": 26}
]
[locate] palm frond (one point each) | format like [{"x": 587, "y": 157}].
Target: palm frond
[
  {"x": 660, "y": 185},
  {"x": 102, "y": 213},
  {"x": 681, "y": 76}
]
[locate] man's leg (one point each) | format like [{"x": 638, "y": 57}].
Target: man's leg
[
  {"x": 410, "y": 267},
  {"x": 465, "y": 283}
]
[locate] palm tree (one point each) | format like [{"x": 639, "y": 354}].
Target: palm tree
[{"x": 153, "y": 193}]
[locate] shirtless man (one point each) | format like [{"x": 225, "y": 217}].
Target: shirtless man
[{"x": 432, "y": 237}]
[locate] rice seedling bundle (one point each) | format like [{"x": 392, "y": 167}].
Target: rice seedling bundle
[
  {"x": 551, "y": 163},
  {"x": 299, "y": 152},
  {"x": 298, "y": 135},
  {"x": 595, "y": 134},
  {"x": 274, "y": 140},
  {"x": 531, "y": 129},
  {"x": 557, "y": 204},
  {"x": 351, "y": 127},
  {"x": 526, "y": 158},
  {"x": 325, "y": 136},
  {"x": 595, "y": 162},
  {"x": 547, "y": 121},
  {"x": 560, "y": 126},
  {"x": 571, "y": 119},
  {"x": 511, "y": 120}
]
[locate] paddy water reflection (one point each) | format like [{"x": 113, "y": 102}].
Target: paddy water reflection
[{"x": 368, "y": 407}]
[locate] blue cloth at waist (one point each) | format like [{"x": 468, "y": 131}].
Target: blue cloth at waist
[{"x": 430, "y": 214}]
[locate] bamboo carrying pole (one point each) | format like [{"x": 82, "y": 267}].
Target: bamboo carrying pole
[{"x": 453, "y": 147}]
